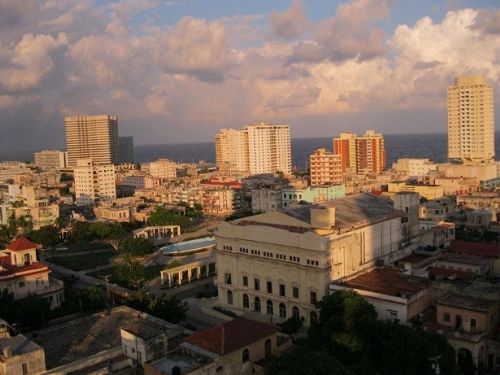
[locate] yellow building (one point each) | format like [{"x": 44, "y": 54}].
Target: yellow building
[
  {"x": 428, "y": 192},
  {"x": 471, "y": 129}
]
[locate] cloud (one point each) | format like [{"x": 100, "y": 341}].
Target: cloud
[
  {"x": 487, "y": 21},
  {"x": 196, "y": 48},
  {"x": 290, "y": 23},
  {"x": 30, "y": 61}
]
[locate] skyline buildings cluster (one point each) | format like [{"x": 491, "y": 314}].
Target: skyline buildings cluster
[{"x": 278, "y": 61}]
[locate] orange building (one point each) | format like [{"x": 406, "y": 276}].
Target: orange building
[
  {"x": 361, "y": 155},
  {"x": 325, "y": 168}
]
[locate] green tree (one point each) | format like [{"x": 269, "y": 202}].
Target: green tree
[
  {"x": 80, "y": 233},
  {"x": 92, "y": 299},
  {"x": 169, "y": 308},
  {"x": 113, "y": 233},
  {"x": 5, "y": 234},
  {"x": 130, "y": 273},
  {"x": 24, "y": 224},
  {"x": 31, "y": 312},
  {"x": 137, "y": 246},
  {"x": 163, "y": 216},
  {"x": 48, "y": 236}
]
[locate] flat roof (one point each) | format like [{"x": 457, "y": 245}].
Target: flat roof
[
  {"x": 83, "y": 337},
  {"x": 186, "y": 362},
  {"x": 145, "y": 329},
  {"x": 474, "y": 248},
  {"x": 19, "y": 344},
  {"x": 354, "y": 210},
  {"x": 389, "y": 282},
  {"x": 467, "y": 302},
  {"x": 464, "y": 259}
]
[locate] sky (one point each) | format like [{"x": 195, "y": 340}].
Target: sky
[{"x": 176, "y": 71}]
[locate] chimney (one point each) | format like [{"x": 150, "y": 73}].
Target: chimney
[{"x": 322, "y": 218}]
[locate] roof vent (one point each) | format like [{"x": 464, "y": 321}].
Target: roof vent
[{"x": 323, "y": 217}]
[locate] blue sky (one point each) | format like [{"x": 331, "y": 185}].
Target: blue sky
[{"x": 177, "y": 71}]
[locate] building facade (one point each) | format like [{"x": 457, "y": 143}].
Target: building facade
[
  {"x": 93, "y": 137},
  {"x": 256, "y": 149},
  {"x": 361, "y": 154},
  {"x": 325, "y": 168},
  {"x": 126, "y": 146},
  {"x": 164, "y": 169},
  {"x": 471, "y": 130},
  {"x": 279, "y": 264},
  {"x": 93, "y": 181},
  {"x": 414, "y": 167},
  {"x": 51, "y": 159}
]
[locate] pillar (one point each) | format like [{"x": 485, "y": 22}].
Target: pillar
[
  {"x": 180, "y": 278},
  {"x": 169, "y": 280}
]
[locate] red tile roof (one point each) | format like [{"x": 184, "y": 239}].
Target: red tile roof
[
  {"x": 13, "y": 272},
  {"x": 475, "y": 248},
  {"x": 22, "y": 243},
  {"x": 231, "y": 336},
  {"x": 447, "y": 272}
]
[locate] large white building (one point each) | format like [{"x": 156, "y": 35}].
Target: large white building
[
  {"x": 414, "y": 167},
  {"x": 163, "y": 168},
  {"x": 94, "y": 181},
  {"x": 279, "y": 264},
  {"x": 471, "y": 130},
  {"x": 93, "y": 137},
  {"x": 51, "y": 159},
  {"x": 256, "y": 149}
]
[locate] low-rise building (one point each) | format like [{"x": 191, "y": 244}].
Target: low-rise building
[
  {"x": 465, "y": 262},
  {"x": 266, "y": 200},
  {"x": 163, "y": 169},
  {"x": 414, "y": 167},
  {"x": 51, "y": 159},
  {"x": 22, "y": 274},
  {"x": 483, "y": 250},
  {"x": 393, "y": 294},
  {"x": 316, "y": 194},
  {"x": 428, "y": 192},
  {"x": 19, "y": 355},
  {"x": 121, "y": 214}
]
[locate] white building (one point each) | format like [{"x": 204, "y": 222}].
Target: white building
[
  {"x": 94, "y": 181},
  {"x": 256, "y": 149},
  {"x": 163, "y": 168},
  {"x": 279, "y": 264},
  {"x": 414, "y": 167},
  {"x": 471, "y": 129},
  {"x": 51, "y": 159}
]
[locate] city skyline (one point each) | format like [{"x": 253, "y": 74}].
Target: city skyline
[{"x": 285, "y": 62}]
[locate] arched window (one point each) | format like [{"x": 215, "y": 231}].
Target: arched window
[
  {"x": 246, "y": 301},
  {"x": 256, "y": 304},
  {"x": 282, "y": 311},
  {"x": 296, "y": 312},
  {"x": 245, "y": 356},
  {"x": 314, "y": 318},
  {"x": 229, "y": 297},
  {"x": 269, "y": 306}
]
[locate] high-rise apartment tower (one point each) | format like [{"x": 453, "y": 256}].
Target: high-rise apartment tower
[
  {"x": 93, "y": 137},
  {"x": 471, "y": 130}
]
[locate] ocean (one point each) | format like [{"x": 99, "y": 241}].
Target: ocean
[{"x": 431, "y": 146}]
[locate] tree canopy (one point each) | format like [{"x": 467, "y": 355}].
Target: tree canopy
[
  {"x": 136, "y": 246},
  {"x": 163, "y": 216}
]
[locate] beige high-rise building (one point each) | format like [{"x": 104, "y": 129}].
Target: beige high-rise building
[
  {"x": 257, "y": 148},
  {"x": 94, "y": 181},
  {"x": 325, "y": 168},
  {"x": 93, "y": 137},
  {"x": 230, "y": 151},
  {"x": 471, "y": 129}
]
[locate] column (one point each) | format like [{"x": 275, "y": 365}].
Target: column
[
  {"x": 189, "y": 274},
  {"x": 198, "y": 272},
  {"x": 169, "y": 280},
  {"x": 207, "y": 269},
  {"x": 180, "y": 278}
]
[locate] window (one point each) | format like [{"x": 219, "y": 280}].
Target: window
[
  {"x": 282, "y": 290},
  {"x": 295, "y": 312},
  {"x": 245, "y": 356},
  {"x": 245, "y": 280},
  {"x": 446, "y": 317},
  {"x": 392, "y": 314},
  {"x": 227, "y": 278},
  {"x": 313, "y": 298},
  {"x": 25, "y": 369},
  {"x": 256, "y": 284},
  {"x": 314, "y": 318},
  {"x": 229, "y": 297},
  {"x": 295, "y": 292},
  {"x": 269, "y": 286},
  {"x": 22, "y": 284},
  {"x": 246, "y": 301},
  {"x": 282, "y": 311},
  {"x": 269, "y": 307},
  {"x": 256, "y": 304}
]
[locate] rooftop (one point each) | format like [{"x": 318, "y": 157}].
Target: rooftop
[
  {"x": 467, "y": 302},
  {"x": 81, "y": 338},
  {"x": 21, "y": 244},
  {"x": 464, "y": 259},
  {"x": 186, "y": 362},
  {"x": 449, "y": 273},
  {"x": 18, "y": 344},
  {"x": 231, "y": 336},
  {"x": 389, "y": 282},
  {"x": 145, "y": 329},
  {"x": 474, "y": 248}
]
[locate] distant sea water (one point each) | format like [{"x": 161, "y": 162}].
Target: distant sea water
[{"x": 431, "y": 146}]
